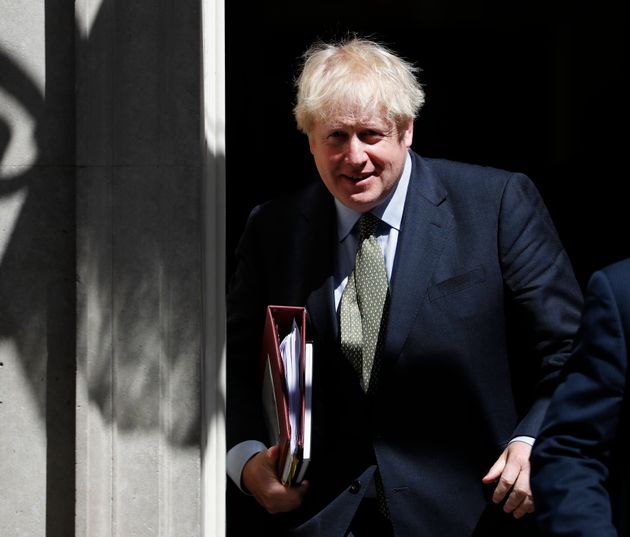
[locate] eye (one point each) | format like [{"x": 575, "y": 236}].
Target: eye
[
  {"x": 371, "y": 136},
  {"x": 337, "y": 137}
]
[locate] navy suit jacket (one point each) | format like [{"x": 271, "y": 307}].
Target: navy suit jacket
[
  {"x": 484, "y": 306},
  {"x": 580, "y": 462}
]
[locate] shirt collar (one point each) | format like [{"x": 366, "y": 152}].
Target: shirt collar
[{"x": 389, "y": 211}]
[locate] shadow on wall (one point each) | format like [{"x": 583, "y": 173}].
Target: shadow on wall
[
  {"x": 37, "y": 284},
  {"x": 140, "y": 300},
  {"x": 37, "y": 270},
  {"x": 138, "y": 209}
]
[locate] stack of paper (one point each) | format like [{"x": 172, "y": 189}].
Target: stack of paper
[{"x": 287, "y": 389}]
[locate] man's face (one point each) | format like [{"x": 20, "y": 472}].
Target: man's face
[{"x": 360, "y": 161}]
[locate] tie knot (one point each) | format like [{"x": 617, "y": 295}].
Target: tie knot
[{"x": 367, "y": 225}]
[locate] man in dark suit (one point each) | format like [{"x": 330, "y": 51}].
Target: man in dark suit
[
  {"x": 429, "y": 430},
  {"x": 580, "y": 461}
]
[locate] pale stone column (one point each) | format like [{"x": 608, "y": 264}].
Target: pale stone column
[
  {"x": 139, "y": 265},
  {"x": 22, "y": 352},
  {"x": 36, "y": 269},
  {"x": 213, "y": 137}
]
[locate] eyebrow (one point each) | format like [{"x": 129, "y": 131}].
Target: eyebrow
[{"x": 358, "y": 126}]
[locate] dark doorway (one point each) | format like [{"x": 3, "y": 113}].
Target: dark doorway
[{"x": 536, "y": 87}]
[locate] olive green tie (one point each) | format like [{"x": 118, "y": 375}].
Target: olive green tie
[
  {"x": 363, "y": 314},
  {"x": 363, "y": 309}
]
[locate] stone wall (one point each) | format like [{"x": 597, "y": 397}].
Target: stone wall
[{"x": 100, "y": 268}]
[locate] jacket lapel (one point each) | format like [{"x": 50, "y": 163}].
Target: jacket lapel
[
  {"x": 425, "y": 227},
  {"x": 319, "y": 240}
]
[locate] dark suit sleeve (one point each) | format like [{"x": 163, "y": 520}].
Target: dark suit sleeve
[
  {"x": 543, "y": 299},
  {"x": 246, "y": 304},
  {"x": 571, "y": 456}
]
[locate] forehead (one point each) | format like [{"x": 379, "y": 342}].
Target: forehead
[{"x": 354, "y": 122}]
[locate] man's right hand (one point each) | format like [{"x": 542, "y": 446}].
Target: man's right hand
[{"x": 261, "y": 480}]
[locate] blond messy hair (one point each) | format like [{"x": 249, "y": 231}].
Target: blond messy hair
[{"x": 356, "y": 78}]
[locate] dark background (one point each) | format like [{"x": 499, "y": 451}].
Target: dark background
[{"x": 533, "y": 87}]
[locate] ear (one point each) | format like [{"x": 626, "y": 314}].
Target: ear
[{"x": 407, "y": 134}]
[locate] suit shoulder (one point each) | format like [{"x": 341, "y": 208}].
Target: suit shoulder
[
  {"x": 618, "y": 278},
  {"x": 475, "y": 184},
  {"x": 292, "y": 205},
  {"x": 466, "y": 170},
  {"x": 619, "y": 271},
  {"x": 611, "y": 286},
  {"x": 454, "y": 174}
]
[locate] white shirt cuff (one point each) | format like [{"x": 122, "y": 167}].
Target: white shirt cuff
[
  {"x": 527, "y": 439},
  {"x": 238, "y": 456}
]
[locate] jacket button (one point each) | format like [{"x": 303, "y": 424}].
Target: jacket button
[{"x": 355, "y": 487}]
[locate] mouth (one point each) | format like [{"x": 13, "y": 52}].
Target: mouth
[{"x": 357, "y": 179}]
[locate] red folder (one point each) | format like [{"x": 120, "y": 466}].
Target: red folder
[{"x": 275, "y": 391}]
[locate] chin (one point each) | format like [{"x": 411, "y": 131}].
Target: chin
[{"x": 361, "y": 204}]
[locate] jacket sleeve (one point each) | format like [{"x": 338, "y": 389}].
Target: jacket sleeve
[
  {"x": 543, "y": 298},
  {"x": 570, "y": 460},
  {"x": 246, "y": 303}
]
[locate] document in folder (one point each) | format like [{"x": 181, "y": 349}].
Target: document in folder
[{"x": 287, "y": 362}]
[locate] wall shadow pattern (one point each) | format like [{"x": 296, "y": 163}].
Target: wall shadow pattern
[{"x": 151, "y": 297}]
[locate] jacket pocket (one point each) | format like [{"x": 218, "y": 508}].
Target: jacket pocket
[{"x": 457, "y": 283}]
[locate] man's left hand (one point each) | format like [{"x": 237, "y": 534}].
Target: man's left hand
[{"x": 511, "y": 471}]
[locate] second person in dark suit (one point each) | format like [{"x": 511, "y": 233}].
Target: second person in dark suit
[{"x": 581, "y": 471}]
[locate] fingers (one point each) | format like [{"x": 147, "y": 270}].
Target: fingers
[
  {"x": 497, "y": 468},
  {"x": 272, "y": 455},
  {"x": 512, "y": 472},
  {"x": 506, "y": 481},
  {"x": 261, "y": 480},
  {"x": 280, "y": 499},
  {"x": 520, "y": 500}
]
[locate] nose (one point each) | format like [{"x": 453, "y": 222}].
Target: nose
[{"x": 355, "y": 152}]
